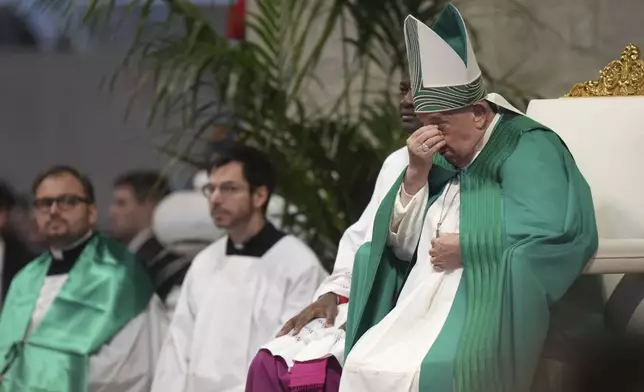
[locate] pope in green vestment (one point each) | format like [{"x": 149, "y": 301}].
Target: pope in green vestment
[
  {"x": 526, "y": 228},
  {"x": 105, "y": 289}
]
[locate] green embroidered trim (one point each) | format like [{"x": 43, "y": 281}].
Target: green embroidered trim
[{"x": 436, "y": 99}]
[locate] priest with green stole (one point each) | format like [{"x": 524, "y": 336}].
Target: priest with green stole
[
  {"x": 489, "y": 224},
  {"x": 82, "y": 316}
]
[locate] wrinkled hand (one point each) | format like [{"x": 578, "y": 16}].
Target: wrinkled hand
[
  {"x": 326, "y": 306},
  {"x": 421, "y": 146},
  {"x": 446, "y": 252}
]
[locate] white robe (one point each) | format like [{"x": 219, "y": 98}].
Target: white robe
[
  {"x": 229, "y": 306},
  {"x": 388, "y": 356},
  {"x": 316, "y": 341},
  {"x": 127, "y": 362}
]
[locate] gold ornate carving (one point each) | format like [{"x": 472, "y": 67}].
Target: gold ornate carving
[{"x": 619, "y": 78}]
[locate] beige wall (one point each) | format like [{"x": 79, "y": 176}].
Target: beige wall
[
  {"x": 542, "y": 46},
  {"x": 548, "y": 45},
  {"x": 52, "y": 111}
]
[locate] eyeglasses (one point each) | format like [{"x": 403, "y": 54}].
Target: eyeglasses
[
  {"x": 226, "y": 190},
  {"x": 64, "y": 202}
]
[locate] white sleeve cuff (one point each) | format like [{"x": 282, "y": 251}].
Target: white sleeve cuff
[
  {"x": 404, "y": 205},
  {"x": 405, "y": 197}
]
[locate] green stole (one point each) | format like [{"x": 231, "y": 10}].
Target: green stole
[
  {"x": 105, "y": 289},
  {"x": 493, "y": 335}
]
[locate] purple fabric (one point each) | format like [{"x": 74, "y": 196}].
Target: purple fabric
[
  {"x": 268, "y": 373},
  {"x": 309, "y": 376}
]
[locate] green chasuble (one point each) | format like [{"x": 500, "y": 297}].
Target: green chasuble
[
  {"x": 105, "y": 289},
  {"x": 527, "y": 229}
]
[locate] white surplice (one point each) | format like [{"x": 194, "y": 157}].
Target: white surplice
[
  {"x": 126, "y": 363},
  {"x": 229, "y": 306},
  {"x": 317, "y": 341},
  {"x": 388, "y": 356}
]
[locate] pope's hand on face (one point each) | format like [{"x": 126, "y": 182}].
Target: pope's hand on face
[
  {"x": 446, "y": 252},
  {"x": 421, "y": 146}
]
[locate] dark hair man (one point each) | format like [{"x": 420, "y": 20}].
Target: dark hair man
[
  {"x": 241, "y": 288},
  {"x": 84, "y": 312},
  {"x": 134, "y": 200}
]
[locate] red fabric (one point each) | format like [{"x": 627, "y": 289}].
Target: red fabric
[
  {"x": 342, "y": 300},
  {"x": 236, "y": 17}
]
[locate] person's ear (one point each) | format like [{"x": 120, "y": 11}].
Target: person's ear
[
  {"x": 479, "y": 112},
  {"x": 260, "y": 197}
]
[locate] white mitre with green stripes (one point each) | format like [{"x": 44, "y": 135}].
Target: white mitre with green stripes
[{"x": 443, "y": 71}]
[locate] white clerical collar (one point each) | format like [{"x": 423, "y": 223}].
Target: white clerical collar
[
  {"x": 137, "y": 242},
  {"x": 257, "y": 245},
  {"x": 57, "y": 253},
  {"x": 486, "y": 137}
]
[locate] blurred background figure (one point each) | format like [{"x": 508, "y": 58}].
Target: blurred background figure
[
  {"x": 134, "y": 201},
  {"x": 183, "y": 226},
  {"x": 23, "y": 222},
  {"x": 14, "y": 254},
  {"x": 136, "y": 195}
]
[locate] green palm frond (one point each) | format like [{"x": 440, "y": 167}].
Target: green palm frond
[
  {"x": 328, "y": 158},
  {"x": 380, "y": 27}
]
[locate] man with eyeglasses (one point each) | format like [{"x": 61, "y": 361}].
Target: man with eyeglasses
[
  {"x": 82, "y": 316},
  {"x": 241, "y": 289}
]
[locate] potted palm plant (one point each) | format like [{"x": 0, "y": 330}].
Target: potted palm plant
[{"x": 328, "y": 156}]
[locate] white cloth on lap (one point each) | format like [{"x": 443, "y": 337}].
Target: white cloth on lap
[{"x": 315, "y": 341}]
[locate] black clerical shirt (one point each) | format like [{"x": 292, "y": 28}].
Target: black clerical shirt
[
  {"x": 61, "y": 266},
  {"x": 258, "y": 245}
]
